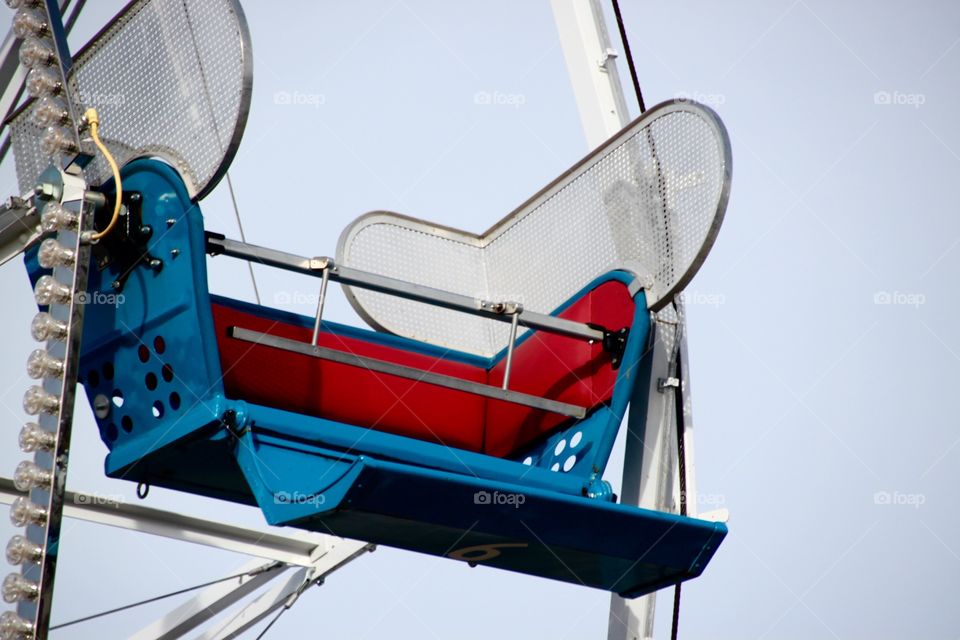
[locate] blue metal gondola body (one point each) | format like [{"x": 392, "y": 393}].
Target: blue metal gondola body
[{"x": 153, "y": 370}]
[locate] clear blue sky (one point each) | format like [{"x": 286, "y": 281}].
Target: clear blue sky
[{"x": 824, "y": 367}]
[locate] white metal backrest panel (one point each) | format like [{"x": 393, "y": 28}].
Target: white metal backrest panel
[
  {"x": 650, "y": 200},
  {"x": 169, "y": 78}
]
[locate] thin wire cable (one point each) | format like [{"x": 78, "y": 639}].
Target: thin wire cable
[
  {"x": 149, "y": 600},
  {"x": 243, "y": 236},
  {"x": 626, "y": 52},
  {"x": 272, "y": 622}
]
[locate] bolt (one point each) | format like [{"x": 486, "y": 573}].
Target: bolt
[
  {"x": 15, "y": 202},
  {"x": 156, "y": 264},
  {"x": 46, "y": 191},
  {"x": 174, "y": 252},
  {"x": 134, "y": 197},
  {"x": 146, "y": 231},
  {"x": 101, "y": 406},
  {"x": 171, "y": 222},
  {"x": 116, "y": 284}
]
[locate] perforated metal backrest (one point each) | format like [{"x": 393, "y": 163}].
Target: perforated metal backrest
[
  {"x": 650, "y": 200},
  {"x": 169, "y": 78}
]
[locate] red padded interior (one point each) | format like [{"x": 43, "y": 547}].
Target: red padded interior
[{"x": 544, "y": 364}]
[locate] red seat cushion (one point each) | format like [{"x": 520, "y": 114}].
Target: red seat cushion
[
  {"x": 557, "y": 367},
  {"x": 313, "y": 386},
  {"x": 544, "y": 364}
]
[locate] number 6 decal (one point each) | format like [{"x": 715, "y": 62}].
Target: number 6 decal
[{"x": 484, "y": 552}]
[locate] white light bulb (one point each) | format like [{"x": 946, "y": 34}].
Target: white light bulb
[
  {"x": 12, "y": 626},
  {"x": 50, "y": 111},
  {"x": 43, "y": 327},
  {"x": 41, "y": 364},
  {"x": 16, "y": 588},
  {"x": 34, "y": 53},
  {"x": 57, "y": 140},
  {"x": 48, "y": 291},
  {"x": 43, "y": 82},
  {"x": 36, "y": 401},
  {"x": 24, "y": 512},
  {"x": 53, "y": 254},
  {"x": 29, "y": 475},
  {"x": 55, "y": 217},
  {"x": 34, "y": 438},
  {"x": 28, "y": 22},
  {"x": 20, "y": 550}
]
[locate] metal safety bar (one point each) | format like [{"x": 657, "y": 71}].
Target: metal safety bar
[
  {"x": 326, "y": 268},
  {"x": 402, "y": 371}
]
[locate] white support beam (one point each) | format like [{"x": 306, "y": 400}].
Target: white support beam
[
  {"x": 283, "y": 595},
  {"x": 210, "y": 602},
  {"x": 591, "y": 64},
  {"x": 300, "y": 550},
  {"x": 650, "y": 470}
]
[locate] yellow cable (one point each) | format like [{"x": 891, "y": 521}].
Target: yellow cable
[{"x": 94, "y": 120}]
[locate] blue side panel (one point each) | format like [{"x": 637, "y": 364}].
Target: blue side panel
[
  {"x": 148, "y": 346},
  {"x": 507, "y": 525}
]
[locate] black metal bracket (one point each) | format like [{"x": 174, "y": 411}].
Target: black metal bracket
[
  {"x": 212, "y": 248},
  {"x": 125, "y": 248},
  {"x": 615, "y": 343}
]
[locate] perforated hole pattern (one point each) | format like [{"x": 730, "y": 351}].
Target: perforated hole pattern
[
  {"x": 651, "y": 202},
  {"x": 168, "y": 78}
]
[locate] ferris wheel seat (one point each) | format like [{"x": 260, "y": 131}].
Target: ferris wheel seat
[{"x": 369, "y": 435}]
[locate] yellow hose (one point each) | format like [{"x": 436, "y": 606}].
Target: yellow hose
[{"x": 94, "y": 120}]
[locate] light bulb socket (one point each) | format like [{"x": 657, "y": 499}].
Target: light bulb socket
[
  {"x": 13, "y": 626},
  {"x": 33, "y": 438},
  {"x": 17, "y": 588},
  {"x": 37, "y": 401},
  {"x": 29, "y": 475},
  {"x": 49, "y": 291},
  {"x": 20, "y": 551},
  {"x": 23, "y": 512},
  {"x": 52, "y": 254},
  {"x": 45, "y": 327},
  {"x": 55, "y": 217}
]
